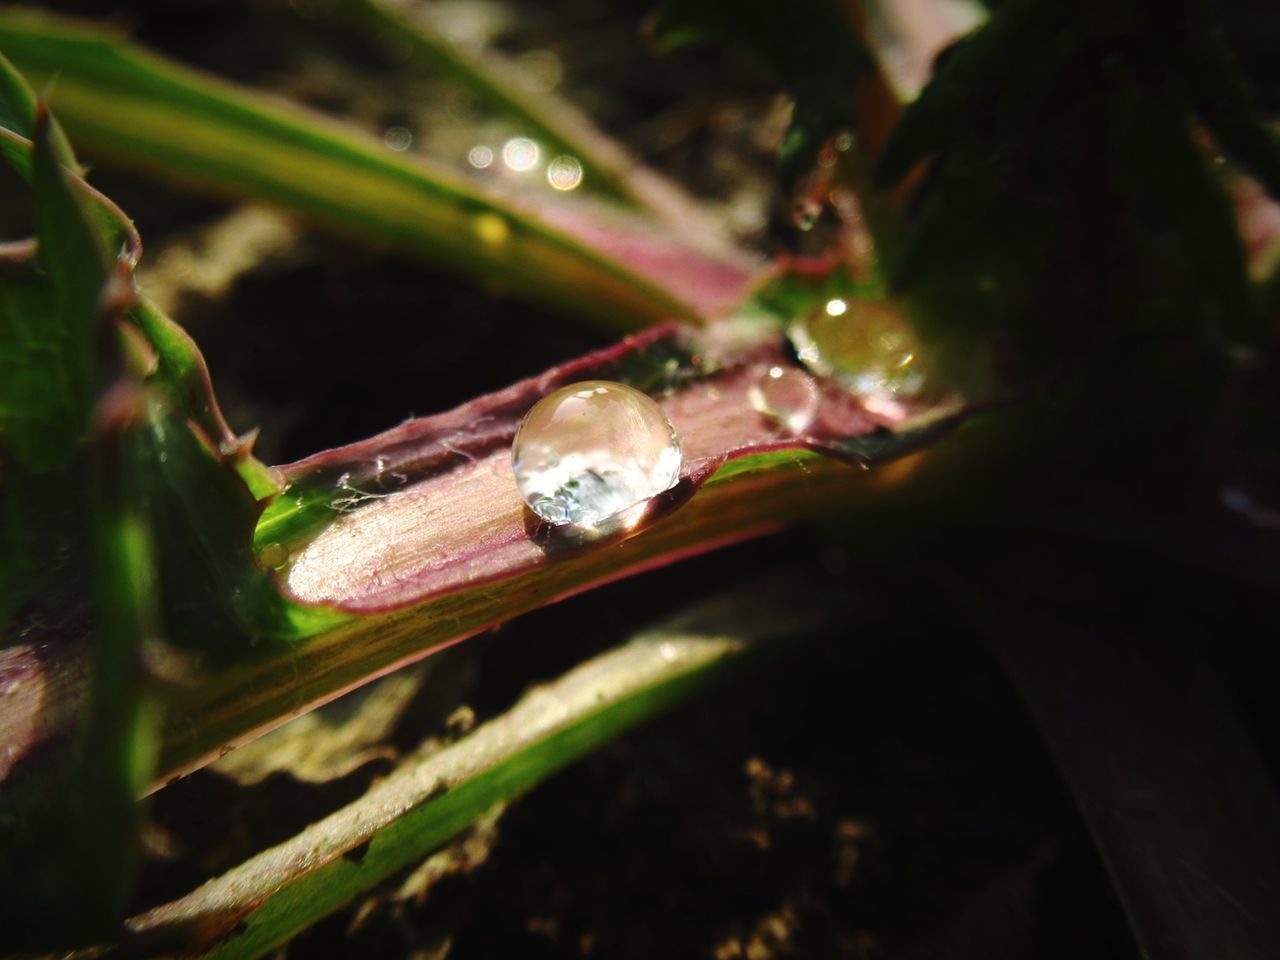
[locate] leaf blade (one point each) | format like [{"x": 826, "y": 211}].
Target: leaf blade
[{"x": 138, "y": 109}]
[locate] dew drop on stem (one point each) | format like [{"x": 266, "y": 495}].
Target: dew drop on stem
[
  {"x": 786, "y": 396},
  {"x": 867, "y": 346},
  {"x": 594, "y": 452}
]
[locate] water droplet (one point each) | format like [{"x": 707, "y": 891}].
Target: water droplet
[
  {"x": 520, "y": 154},
  {"x": 480, "y": 156},
  {"x": 564, "y": 172},
  {"x": 273, "y": 555},
  {"x": 398, "y": 139},
  {"x": 787, "y": 396},
  {"x": 491, "y": 229},
  {"x": 866, "y": 345},
  {"x": 592, "y": 451},
  {"x": 805, "y": 212}
]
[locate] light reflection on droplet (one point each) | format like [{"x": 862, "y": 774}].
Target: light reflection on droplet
[
  {"x": 785, "y": 395},
  {"x": 593, "y": 452},
  {"x": 480, "y": 156},
  {"x": 564, "y": 172},
  {"x": 398, "y": 139},
  {"x": 520, "y": 154},
  {"x": 836, "y": 307}
]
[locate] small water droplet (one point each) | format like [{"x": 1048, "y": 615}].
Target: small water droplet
[
  {"x": 273, "y": 555},
  {"x": 866, "y": 345},
  {"x": 805, "y": 213},
  {"x": 592, "y": 451},
  {"x": 520, "y": 154},
  {"x": 398, "y": 139},
  {"x": 786, "y": 395},
  {"x": 480, "y": 156},
  {"x": 564, "y": 172},
  {"x": 491, "y": 229}
]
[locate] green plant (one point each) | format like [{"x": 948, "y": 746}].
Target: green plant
[{"x": 1054, "y": 245}]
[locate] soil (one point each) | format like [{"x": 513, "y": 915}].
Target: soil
[{"x": 876, "y": 793}]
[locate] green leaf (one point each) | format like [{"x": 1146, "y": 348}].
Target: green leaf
[
  {"x": 181, "y": 374},
  {"x": 17, "y": 101},
  {"x": 48, "y": 322},
  {"x": 1067, "y": 219},
  {"x": 18, "y": 113},
  {"x": 50, "y": 327},
  {"x": 71, "y": 830},
  {"x": 217, "y": 602},
  {"x": 135, "y": 108}
]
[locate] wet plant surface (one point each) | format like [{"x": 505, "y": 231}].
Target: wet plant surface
[{"x": 879, "y": 792}]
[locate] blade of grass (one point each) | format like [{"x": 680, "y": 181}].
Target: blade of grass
[
  {"x": 541, "y": 115},
  {"x": 263, "y": 902},
  {"x": 237, "y": 705},
  {"x": 134, "y": 108},
  {"x": 433, "y": 576}
]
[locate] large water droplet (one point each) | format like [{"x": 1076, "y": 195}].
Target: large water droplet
[
  {"x": 592, "y": 451},
  {"x": 865, "y": 345},
  {"x": 273, "y": 555},
  {"x": 787, "y": 396}
]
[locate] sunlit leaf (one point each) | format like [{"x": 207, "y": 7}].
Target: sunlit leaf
[{"x": 135, "y": 108}]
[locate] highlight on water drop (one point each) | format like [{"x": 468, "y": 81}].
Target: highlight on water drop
[{"x": 593, "y": 454}]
